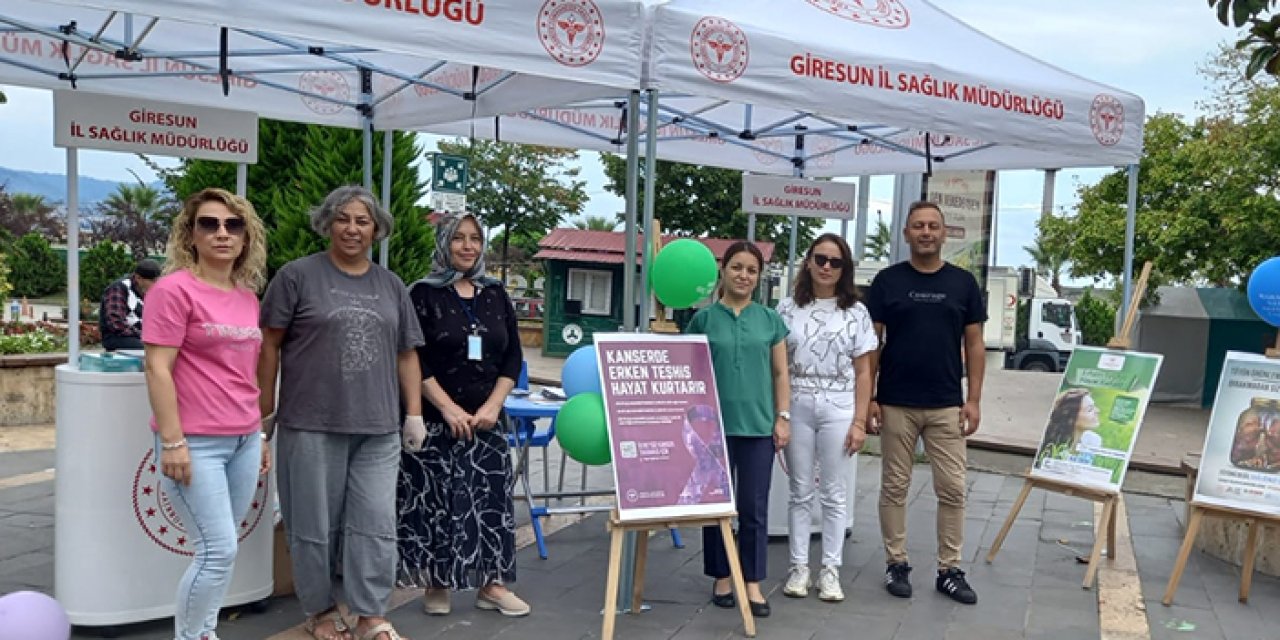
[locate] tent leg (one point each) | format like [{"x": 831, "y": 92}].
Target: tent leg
[
  {"x": 384, "y": 250},
  {"x": 1130, "y": 223},
  {"x": 650, "y": 185},
  {"x": 629, "y": 260},
  {"x": 73, "y": 257}
]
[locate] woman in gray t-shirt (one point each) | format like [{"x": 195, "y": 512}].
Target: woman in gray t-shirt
[{"x": 341, "y": 332}]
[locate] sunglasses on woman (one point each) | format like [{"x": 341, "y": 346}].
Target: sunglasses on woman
[
  {"x": 822, "y": 261},
  {"x": 209, "y": 224}
]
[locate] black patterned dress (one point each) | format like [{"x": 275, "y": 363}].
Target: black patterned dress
[{"x": 456, "y": 524}]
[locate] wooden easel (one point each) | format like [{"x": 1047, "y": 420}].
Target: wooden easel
[
  {"x": 618, "y": 529},
  {"x": 1105, "y": 533},
  {"x": 660, "y": 324},
  {"x": 1106, "y": 530},
  {"x": 1198, "y": 511}
]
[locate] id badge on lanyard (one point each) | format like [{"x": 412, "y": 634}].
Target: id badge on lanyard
[{"x": 473, "y": 346}]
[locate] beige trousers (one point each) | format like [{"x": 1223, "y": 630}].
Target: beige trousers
[{"x": 944, "y": 443}]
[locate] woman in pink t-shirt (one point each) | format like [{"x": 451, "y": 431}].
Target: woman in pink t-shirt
[{"x": 200, "y": 331}]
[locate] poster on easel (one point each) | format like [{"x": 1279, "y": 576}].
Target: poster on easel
[
  {"x": 665, "y": 426},
  {"x": 1240, "y": 462},
  {"x": 1095, "y": 417}
]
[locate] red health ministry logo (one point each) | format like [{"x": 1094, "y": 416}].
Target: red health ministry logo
[
  {"x": 1106, "y": 118},
  {"x": 158, "y": 519},
  {"x": 890, "y": 14},
  {"x": 329, "y": 84},
  {"x": 719, "y": 49},
  {"x": 572, "y": 31}
]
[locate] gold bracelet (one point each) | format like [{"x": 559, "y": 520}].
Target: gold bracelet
[{"x": 170, "y": 446}]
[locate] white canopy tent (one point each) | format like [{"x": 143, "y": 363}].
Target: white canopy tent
[{"x": 841, "y": 88}]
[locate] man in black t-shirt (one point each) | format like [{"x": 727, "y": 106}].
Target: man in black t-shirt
[{"x": 925, "y": 311}]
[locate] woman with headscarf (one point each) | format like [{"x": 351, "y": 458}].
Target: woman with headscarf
[{"x": 457, "y": 520}]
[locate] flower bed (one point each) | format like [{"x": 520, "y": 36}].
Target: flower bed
[{"x": 43, "y": 337}]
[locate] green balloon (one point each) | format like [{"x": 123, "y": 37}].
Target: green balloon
[
  {"x": 684, "y": 272},
  {"x": 582, "y": 431}
]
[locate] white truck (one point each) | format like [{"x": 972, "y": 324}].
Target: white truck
[{"x": 1051, "y": 332}]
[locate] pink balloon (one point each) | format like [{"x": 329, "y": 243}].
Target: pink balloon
[{"x": 27, "y": 615}]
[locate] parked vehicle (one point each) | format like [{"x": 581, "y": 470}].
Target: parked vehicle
[{"x": 529, "y": 308}]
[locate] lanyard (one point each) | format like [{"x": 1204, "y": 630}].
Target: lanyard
[{"x": 468, "y": 309}]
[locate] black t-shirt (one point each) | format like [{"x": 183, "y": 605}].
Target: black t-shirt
[
  {"x": 446, "y": 324},
  {"x": 924, "y": 315}
]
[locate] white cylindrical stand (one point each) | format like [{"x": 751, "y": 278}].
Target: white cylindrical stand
[
  {"x": 119, "y": 549},
  {"x": 780, "y": 494}
]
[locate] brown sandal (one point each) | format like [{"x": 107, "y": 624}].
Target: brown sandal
[{"x": 339, "y": 630}]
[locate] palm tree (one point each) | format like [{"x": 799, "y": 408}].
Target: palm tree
[
  {"x": 879, "y": 242},
  {"x": 137, "y": 215},
  {"x": 29, "y": 213},
  {"x": 595, "y": 223},
  {"x": 1049, "y": 260}
]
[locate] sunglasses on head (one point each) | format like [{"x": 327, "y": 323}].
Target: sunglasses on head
[
  {"x": 822, "y": 261},
  {"x": 209, "y": 224}
]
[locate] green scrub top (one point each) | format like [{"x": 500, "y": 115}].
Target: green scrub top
[{"x": 741, "y": 354}]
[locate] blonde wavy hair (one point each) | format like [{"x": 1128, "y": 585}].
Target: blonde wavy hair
[{"x": 250, "y": 267}]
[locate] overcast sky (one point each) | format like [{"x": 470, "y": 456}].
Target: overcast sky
[{"x": 1148, "y": 47}]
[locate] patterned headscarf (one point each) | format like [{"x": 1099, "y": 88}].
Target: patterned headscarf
[{"x": 442, "y": 272}]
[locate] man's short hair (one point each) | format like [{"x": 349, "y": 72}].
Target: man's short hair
[
  {"x": 147, "y": 268},
  {"x": 925, "y": 204}
]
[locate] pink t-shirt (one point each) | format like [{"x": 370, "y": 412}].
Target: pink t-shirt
[{"x": 218, "y": 340}]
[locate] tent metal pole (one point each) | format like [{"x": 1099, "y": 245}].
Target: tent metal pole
[
  {"x": 242, "y": 179},
  {"x": 798, "y": 172},
  {"x": 1130, "y": 223},
  {"x": 366, "y": 124},
  {"x": 632, "y": 193},
  {"x": 650, "y": 186},
  {"x": 384, "y": 250},
  {"x": 864, "y": 210},
  {"x": 73, "y": 257}
]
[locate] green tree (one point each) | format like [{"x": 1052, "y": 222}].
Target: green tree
[
  {"x": 696, "y": 200},
  {"x": 104, "y": 263},
  {"x": 330, "y": 158},
  {"x": 30, "y": 213},
  {"x": 596, "y": 223},
  {"x": 879, "y": 242},
  {"x": 136, "y": 215},
  {"x": 1097, "y": 317},
  {"x": 1262, "y": 39},
  {"x": 1208, "y": 211},
  {"x": 34, "y": 268},
  {"x": 527, "y": 190}
]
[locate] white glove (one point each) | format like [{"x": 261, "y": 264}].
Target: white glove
[{"x": 413, "y": 434}]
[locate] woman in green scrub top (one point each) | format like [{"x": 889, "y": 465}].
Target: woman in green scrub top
[{"x": 746, "y": 338}]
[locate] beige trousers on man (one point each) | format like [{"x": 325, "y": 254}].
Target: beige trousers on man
[{"x": 944, "y": 443}]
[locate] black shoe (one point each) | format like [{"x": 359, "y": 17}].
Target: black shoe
[
  {"x": 723, "y": 600},
  {"x": 760, "y": 609},
  {"x": 952, "y": 583},
  {"x": 897, "y": 579}
]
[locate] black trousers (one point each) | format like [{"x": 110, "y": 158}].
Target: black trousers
[{"x": 751, "y": 463}]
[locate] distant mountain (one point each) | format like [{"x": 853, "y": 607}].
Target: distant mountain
[{"x": 53, "y": 186}]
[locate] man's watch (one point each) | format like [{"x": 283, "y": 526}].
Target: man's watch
[{"x": 785, "y": 415}]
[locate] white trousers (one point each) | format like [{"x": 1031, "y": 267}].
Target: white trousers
[{"x": 819, "y": 425}]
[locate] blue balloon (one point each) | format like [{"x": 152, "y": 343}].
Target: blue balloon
[
  {"x": 1264, "y": 290},
  {"x": 581, "y": 372}
]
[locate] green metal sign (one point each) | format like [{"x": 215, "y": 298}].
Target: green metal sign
[{"x": 448, "y": 174}]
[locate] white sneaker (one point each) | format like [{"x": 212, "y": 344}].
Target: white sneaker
[
  {"x": 829, "y": 585},
  {"x": 797, "y": 582}
]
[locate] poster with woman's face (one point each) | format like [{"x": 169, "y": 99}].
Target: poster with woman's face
[
  {"x": 1240, "y": 463},
  {"x": 1095, "y": 417}
]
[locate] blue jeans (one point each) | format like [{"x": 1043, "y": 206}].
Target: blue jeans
[{"x": 224, "y": 475}]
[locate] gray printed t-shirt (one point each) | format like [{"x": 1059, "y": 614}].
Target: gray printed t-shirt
[{"x": 342, "y": 335}]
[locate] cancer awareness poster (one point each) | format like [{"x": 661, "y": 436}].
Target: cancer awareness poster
[
  {"x": 1095, "y": 417},
  {"x": 665, "y": 427},
  {"x": 967, "y": 199},
  {"x": 1240, "y": 464}
]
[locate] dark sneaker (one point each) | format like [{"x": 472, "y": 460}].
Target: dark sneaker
[
  {"x": 952, "y": 583},
  {"x": 897, "y": 579}
]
